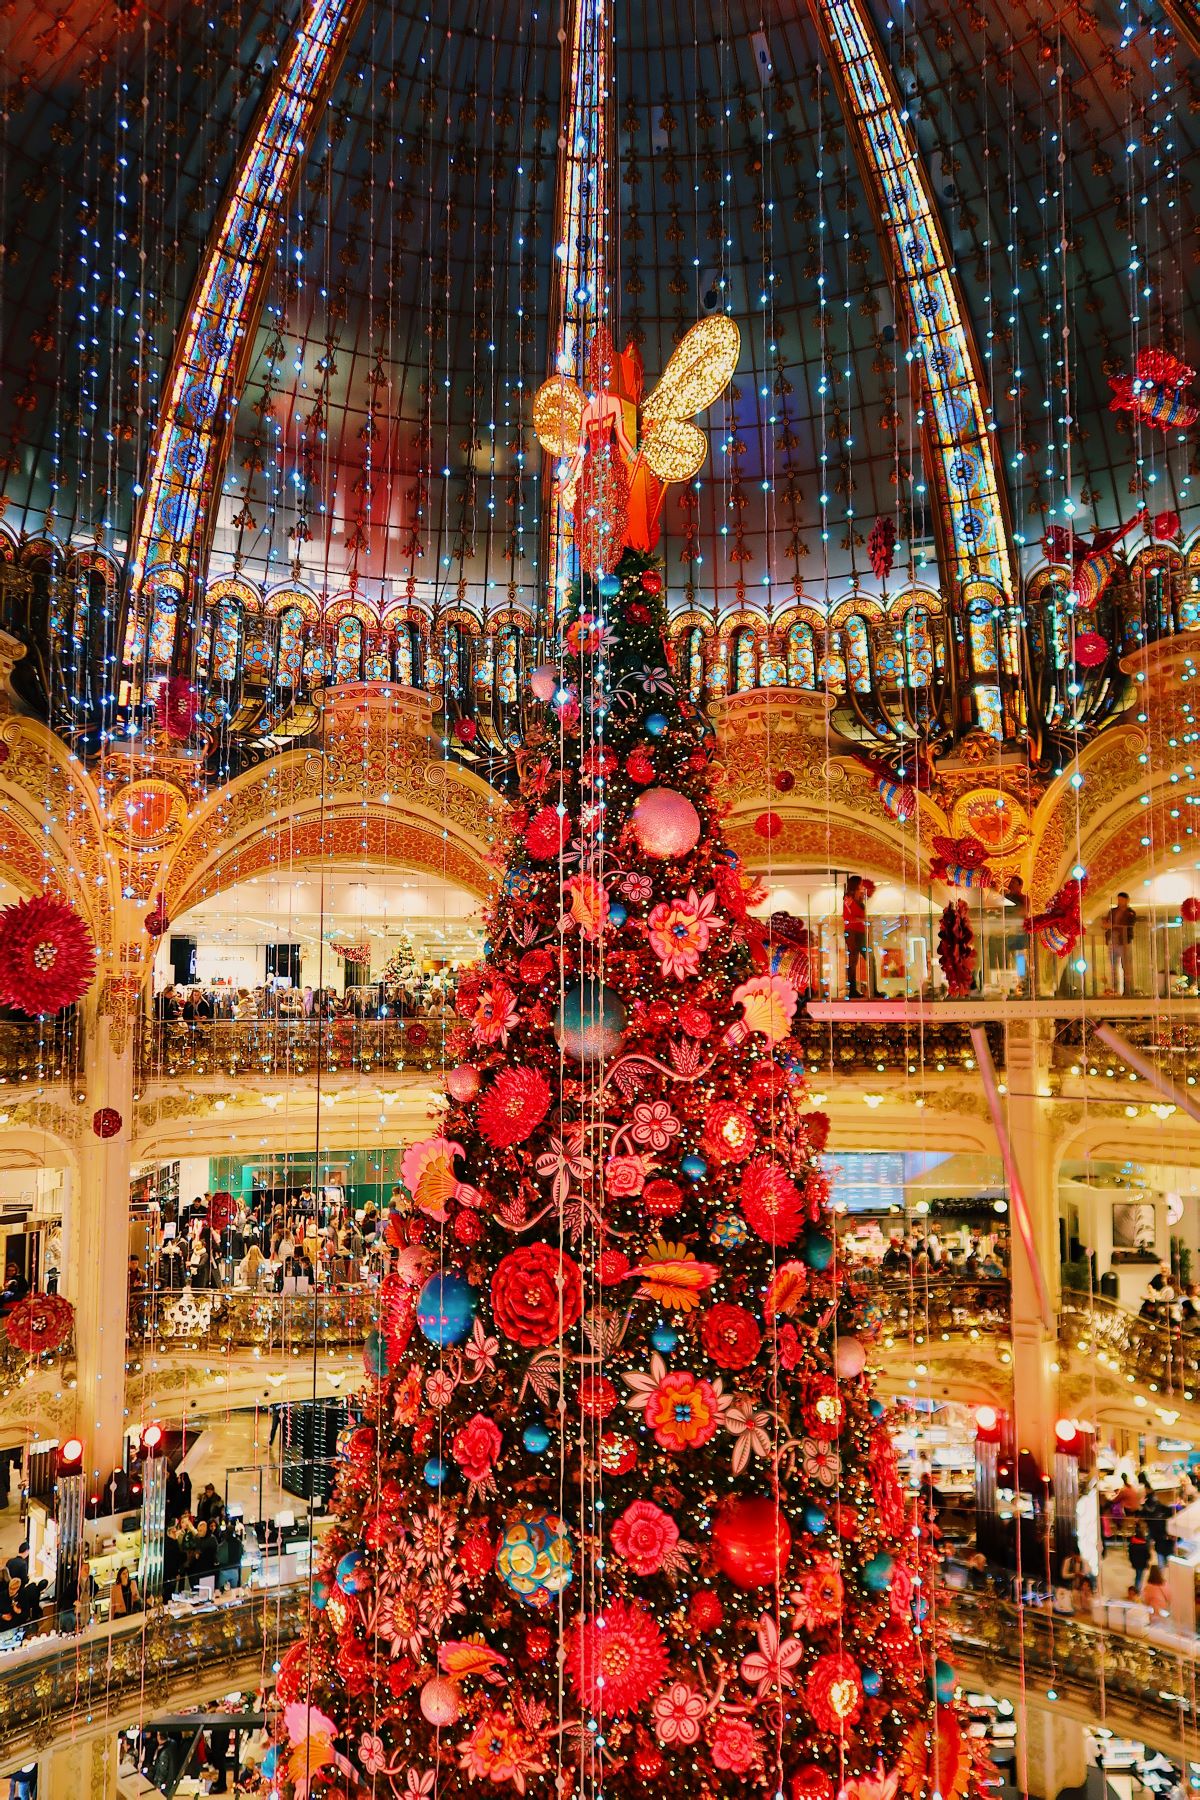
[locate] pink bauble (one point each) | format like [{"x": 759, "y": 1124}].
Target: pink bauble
[
  {"x": 665, "y": 823},
  {"x": 440, "y": 1702},
  {"x": 463, "y": 1083},
  {"x": 752, "y": 1542},
  {"x": 849, "y": 1357},
  {"x": 544, "y": 682}
]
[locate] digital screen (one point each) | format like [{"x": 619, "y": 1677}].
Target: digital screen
[{"x": 865, "y": 1180}]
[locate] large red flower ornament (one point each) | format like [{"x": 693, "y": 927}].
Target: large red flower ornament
[
  {"x": 47, "y": 956},
  {"x": 178, "y": 707},
  {"x": 39, "y": 1324},
  {"x": 537, "y": 1294},
  {"x": 106, "y": 1121}
]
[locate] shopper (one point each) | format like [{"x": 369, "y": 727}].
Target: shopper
[
  {"x": 854, "y": 929},
  {"x": 1118, "y": 935},
  {"x": 1154, "y": 1594},
  {"x": 1137, "y": 1548},
  {"x": 123, "y": 1596}
]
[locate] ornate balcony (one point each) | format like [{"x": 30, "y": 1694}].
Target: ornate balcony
[
  {"x": 36, "y": 1051},
  {"x": 132, "y": 1668},
  {"x": 220, "y": 1320},
  {"x": 168, "y": 1050}
]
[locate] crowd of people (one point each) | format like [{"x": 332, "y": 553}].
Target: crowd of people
[
  {"x": 196, "y": 1004},
  {"x": 1171, "y": 1300},
  {"x": 983, "y": 1257},
  {"x": 313, "y": 1241}
]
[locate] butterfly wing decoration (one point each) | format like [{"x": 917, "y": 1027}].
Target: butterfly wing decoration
[
  {"x": 558, "y": 409},
  {"x": 698, "y": 372}
]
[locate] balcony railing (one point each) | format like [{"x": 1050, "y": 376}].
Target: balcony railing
[
  {"x": 137, "y": 1663},
  {"x": 1163, "y": 1352},
  {"x": 168, "y": 1049},
  {"x": 220, "y": 1319},
  {"x": 37, "y": 1051},
  {"x": 16, "y": 1365}
]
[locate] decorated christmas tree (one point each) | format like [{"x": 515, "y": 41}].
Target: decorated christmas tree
[{"x": 621, "y": 1513}]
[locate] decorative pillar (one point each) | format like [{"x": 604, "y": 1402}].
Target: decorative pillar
[
  {"x": 70, "y": 1501},
  {"x": 1051, "y": 1754},
  {"x": 80, "y": 1770},
  {"x": 96, "y": 1274},
  {"x": 154, "y": 1526}
]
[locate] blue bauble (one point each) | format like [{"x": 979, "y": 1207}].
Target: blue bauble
[
  {"x": 617, "y": 914},
  {"x": 872, "y": 1681},
  {"x": 375, "y": 1354},
  {"x": 320, "y": 1593},
  {"x": 944, "y": 1680},
  {"x": 445, "y": 1309},
  {"x": 536, "y": 1559},
  {"x": 434, "y": 1472},
  {"x": 818, "y": 1250},
  {"x": 814, "y": 1517},
  {"x": 877, "y": 1409},
  {"x": 656, "y": 724},
  {"x": 353, "y": 1576},
  {"x": 269, "y": 1761},
  {"x": 664, "y": 1339},
  {"x": 537, "y": 1439},
  {"x": 589, "y": 1022},
  {"x": 694, "y": 1167},
  {"x": 609, "y": 585},
  {"x": 877, "y": 1572}
]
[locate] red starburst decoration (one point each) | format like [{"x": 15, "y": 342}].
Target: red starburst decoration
[
  {"x": 616, "y": 1659},
  {"x": 39, "y": 1324},
  {"x": 47, "y": 956},
  {"x": 513, "y": 1107}
]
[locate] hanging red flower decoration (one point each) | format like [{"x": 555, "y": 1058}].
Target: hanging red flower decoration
[
  {"x": 881, "y": 547},
  {"x": 39, "y": 1324},
  {"x": 466, "y": 730},
  {"x": 537, "y": 1294},
  {"x": 1190, "y": 910},
  {"x": 178, "y": 707},
  {"x": 106, "y": 1121},
  {"x": 616, "y": 1660},
  {"x": 768, "y": 825},
  {"x": 1165, "y": 526},
  {"x": 834, "y": 1691},
  {"x": 1090, "y": 649},
  {"x": 1189, "y": 962},
  {"x": 513, "y": 1107},
  {"x": 157, "y": 923},
  {"x": 547, "y": 833},
  {"x": 785, "y": 781},
  {"x": 47, "y": 956},
  {"x": 772, "y": 1204}
]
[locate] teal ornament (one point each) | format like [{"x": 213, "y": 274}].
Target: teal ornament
[
  {"x": 537, "y": 1439},
  {"x": 814, "y": 1517},
  {"x": 877, "y": 1572},
  {"x": 320, "y": 1593},
  {"x": 877, "y": 1409},
  {"x": 944, "y": 1679},
  {"x": 536, "y": 1559},
  {"x": 728, "y": 1230},
  {"x": 609, "y": 585},
  {"x": 589, "y": 1023},
  {"x": 445, "y": 1309},
  {"x": 617, "y": 914},
  {"x": 269, "y": 1761},
  {"x": 818, "y": 1250},
  {"x": 694, "y": 1167},
  {"x": 663, "y": 1338},
  {"x": 375, "y": 1354},
  {"x": 353, "y": 1575},
  {"x": 434, "y": 1472},
  {"x": 920, "y": 1607},
  {"x": 657, "y": 724},
  {"x": 872, "y": 1681}
]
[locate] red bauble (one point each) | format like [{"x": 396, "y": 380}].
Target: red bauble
[
  {"x": 106, "y": 1121},
  {"x": 810, "y": 1783},
  {"x": 768, "y": 825},
  {"x": 467, "y": 1227},
  {"x": 648, "y": 1762},
  {"x": 785, "y": 781},
  {"x": 1090, "y": 649},
  {"x": 1190, "y": 911},
  {"x": 466, "y": 730},
  {"x": 537, "y": 1295},
  {"x": 652, "y": 581},
  {"x": 751, "y": 1542},
  {"x": 705, "y": 1611},
  {"x": 47, "y": 956}
]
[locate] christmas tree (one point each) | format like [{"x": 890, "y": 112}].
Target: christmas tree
[{"x": 621, "y": 1512}]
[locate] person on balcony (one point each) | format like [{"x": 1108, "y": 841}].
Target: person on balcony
[
  {"x": 1118, "y": 935},
  {"x": 1017, "y": 940},
  {"x": 123, "y": 1596},
  {"x": 246, "y": 1273},
  {"x": 15, "y": 1287},
  {"x": 854, "y": 929}
]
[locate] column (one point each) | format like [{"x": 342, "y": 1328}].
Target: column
[
  {"x": 1053, "y": 1755},
  {"x": 98, "y": 1250},
  {"x": 77, "y": 1770},
  {"x": 1027, "y": 1116}
]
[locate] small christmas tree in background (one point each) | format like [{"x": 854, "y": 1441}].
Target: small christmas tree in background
[{"x": 621, "y": 1513}]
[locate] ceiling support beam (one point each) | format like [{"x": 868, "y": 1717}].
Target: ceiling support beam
[
  {"x": 190, "y": 446},
  {"x": 963, "y": 469}
]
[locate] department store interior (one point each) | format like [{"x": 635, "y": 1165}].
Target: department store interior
[{"x": 399, "y": 409}]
